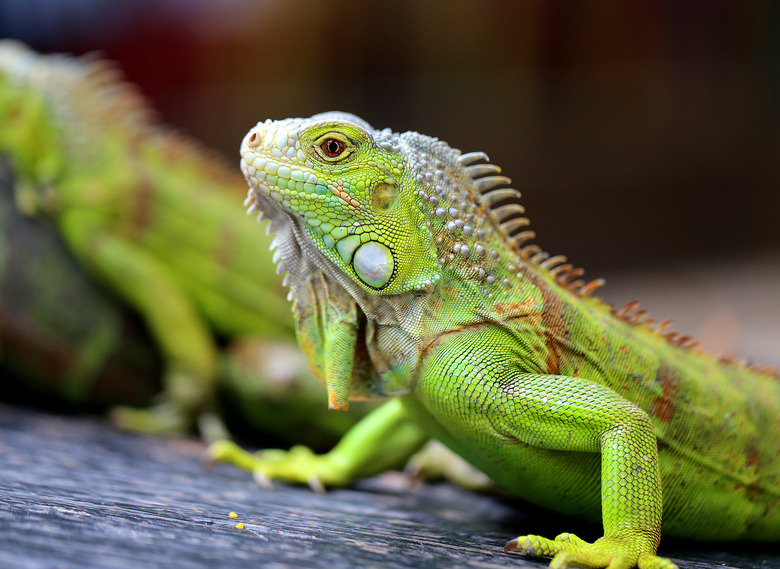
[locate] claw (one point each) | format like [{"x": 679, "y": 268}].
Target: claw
[
  {"x": 262, "y": 480},
  {"x": 315, "y": 484},
  {"x": 568, "y": 550},
  {"x": 207, "y": 460}
]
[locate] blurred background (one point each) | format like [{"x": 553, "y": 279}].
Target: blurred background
[{"x": 645, "y": 136}]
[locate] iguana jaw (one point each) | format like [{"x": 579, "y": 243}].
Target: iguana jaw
[
  {"x": 329, "y": 304},
  {"x": 299, "y": 256}
]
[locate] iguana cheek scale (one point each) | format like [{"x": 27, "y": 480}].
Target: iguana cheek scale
[{"x": 411, "y": 275}]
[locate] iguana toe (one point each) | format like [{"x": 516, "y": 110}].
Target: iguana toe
[{"x": 568, "y": 550}]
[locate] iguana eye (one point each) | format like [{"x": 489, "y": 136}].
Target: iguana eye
[{"x": 332, "y": 147}]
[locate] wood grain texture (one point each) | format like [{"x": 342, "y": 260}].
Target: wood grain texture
[{"x": 74, "y": 492}]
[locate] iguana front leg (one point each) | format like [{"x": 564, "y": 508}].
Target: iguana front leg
[
  {"x": 497, "y": 415},
  {"x": 572, "y": 414},
  {"x": 382, "y": 440}
]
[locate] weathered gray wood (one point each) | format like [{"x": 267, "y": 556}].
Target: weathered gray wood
[{"x": 74, "y": 492}]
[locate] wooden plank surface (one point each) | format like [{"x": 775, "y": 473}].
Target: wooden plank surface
[{"x": 74, "y": 492}]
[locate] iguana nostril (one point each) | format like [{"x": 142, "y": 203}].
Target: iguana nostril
[{"x": 255, "y": 138}]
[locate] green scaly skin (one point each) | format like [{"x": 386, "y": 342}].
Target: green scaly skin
[
  {"x": 150, "y": 214},
  {"x": 410, "y": 279}
]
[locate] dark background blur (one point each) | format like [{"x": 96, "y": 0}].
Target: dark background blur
[{"x": 640, "y": 133}]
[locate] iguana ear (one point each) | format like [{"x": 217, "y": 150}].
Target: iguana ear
[{"x": 402, "y": 256}]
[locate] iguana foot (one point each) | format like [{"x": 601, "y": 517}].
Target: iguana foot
[
  {"x": 176, "y": 410},
  {"x": 568, "y": 550},
  {"x": 299, "y": 465}
]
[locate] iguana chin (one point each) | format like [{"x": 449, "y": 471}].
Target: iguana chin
[{"x": 411, "y": 276}]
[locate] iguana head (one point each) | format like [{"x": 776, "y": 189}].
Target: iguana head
[
  {"x": 390, "y": 218},
  {"x": 352, "y": 193},
  {"x": 392, "y": 212}
]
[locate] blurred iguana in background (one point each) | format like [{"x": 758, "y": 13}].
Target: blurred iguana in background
[{"x": 156, "y": 221}]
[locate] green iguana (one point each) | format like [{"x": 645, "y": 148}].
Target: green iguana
[
  {"x": 126, "y": 196},
  {"x": 412, "y": 276}
]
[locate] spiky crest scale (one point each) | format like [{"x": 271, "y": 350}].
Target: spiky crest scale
[{"x": 502, "y": 205}]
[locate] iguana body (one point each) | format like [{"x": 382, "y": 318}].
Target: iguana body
[
  {"x": 410, "y": 279},
  {"x": 151, "y": 214}
]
